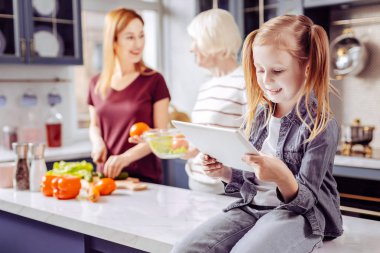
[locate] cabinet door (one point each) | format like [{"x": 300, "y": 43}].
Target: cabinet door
[
  {"x": 53, "y": 31},
  {"x": 272, "y": 8},
  {"x": 12, "y": 41}
]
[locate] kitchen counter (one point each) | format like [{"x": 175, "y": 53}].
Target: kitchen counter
[
  {"x": 359, "y": 160},
  {"x": 151, "y": 220},
  {"x": 77, "y": 150}
]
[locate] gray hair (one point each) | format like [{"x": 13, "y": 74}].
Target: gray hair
[{"x": 215, "y": 31}]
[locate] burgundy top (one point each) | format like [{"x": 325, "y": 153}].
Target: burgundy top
[{"x": 120, "y": 110}]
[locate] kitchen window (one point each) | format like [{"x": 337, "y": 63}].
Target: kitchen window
[{"x": 92, "y": 23}]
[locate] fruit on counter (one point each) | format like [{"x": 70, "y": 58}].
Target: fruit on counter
[
  {"x": 106, "y": 186},
  {"x": 93, "y": 193},
  {"x": 81, "y": 169},
  {"x": 66, "y": 187},
  {"x": 138, "y": 129},
  {"x": 46, "y": 185}
]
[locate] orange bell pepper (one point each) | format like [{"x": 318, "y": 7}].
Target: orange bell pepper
[
  {"x": 46, "y": 185},
  {"x": 106, "y": 186},
  {"x": 66, "y": 187}
]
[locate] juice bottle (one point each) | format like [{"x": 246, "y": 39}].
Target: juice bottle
[{"x": 53, "y": 127}]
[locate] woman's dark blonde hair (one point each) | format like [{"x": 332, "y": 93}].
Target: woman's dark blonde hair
[
  {"x": 115, "y": 22},
  {"x": 310, "y": 48}
]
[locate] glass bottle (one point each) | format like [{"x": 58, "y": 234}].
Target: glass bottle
[
  {"x": 21, "y": 174},
  {"x": 9, "y": 136},
  {"x": 37, "y": 166},
  {"x": 53, "y": 127}
]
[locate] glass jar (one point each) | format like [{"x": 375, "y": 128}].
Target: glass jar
[
  {"x": 9, "y": 136},
  {"x": 21, "y": 174},
  {"x": 37, "y": 166},
  {"x": 53, "y": 127}
]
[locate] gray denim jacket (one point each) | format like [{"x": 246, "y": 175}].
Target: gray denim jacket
[{"x": 312, "y": 165}]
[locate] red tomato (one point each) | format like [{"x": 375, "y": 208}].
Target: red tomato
[
  {"x": 138, "y": 129},
  {"x": 179, "y": 143}
]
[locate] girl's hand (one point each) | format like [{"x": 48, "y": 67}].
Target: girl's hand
[
  {"x": 114, "y": 165},
  {"x": 136, "y": 139},
  {"x": 215, "y": 169},
  {"x": 99, "y": 153},
  {"x": 267, "y": 167},
  {"x": 191, "y": 153}
]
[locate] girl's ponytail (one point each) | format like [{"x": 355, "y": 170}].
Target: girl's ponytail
[{"x": 319, "y": 84}]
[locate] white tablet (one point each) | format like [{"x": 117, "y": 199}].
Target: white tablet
[{"x": 228, "y": 146}]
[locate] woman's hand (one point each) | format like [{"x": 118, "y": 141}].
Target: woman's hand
[
  {"x": 114, "y": 165},
  {"x": 136, "y": 139},
  {"x": 99, "y": 153},
  {"x": 191, "y": 153},
  {"x": 215, "y": 169}
]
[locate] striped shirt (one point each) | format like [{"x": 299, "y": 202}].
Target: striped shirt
[{"x": 221, "y": 102}]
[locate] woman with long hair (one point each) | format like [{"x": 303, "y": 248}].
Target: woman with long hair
[{"x": 124, "y": 93}]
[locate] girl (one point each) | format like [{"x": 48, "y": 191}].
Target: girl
[
  {"x": 289, "y": 203},
  {"x": 128, "y": 88}
]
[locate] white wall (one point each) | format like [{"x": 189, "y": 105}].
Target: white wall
[{"x": 180, "y": 70}]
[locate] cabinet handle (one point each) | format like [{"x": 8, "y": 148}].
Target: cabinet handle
[
  {"x": 32, "y": 48},
  {"x": 23, "y": 48}
]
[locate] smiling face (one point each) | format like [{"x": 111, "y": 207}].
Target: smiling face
[
  {"x": 279, "y": 75},
  {"x": 130, "y": 42}
]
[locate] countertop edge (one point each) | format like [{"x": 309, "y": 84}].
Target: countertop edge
[{"x": 77, "y": 225}]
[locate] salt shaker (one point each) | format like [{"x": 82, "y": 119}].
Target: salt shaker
[
  {"x": 21, "y": 175},
  {"x": 37, "y": 166}
]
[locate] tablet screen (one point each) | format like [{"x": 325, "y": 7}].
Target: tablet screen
[{"x": 228, "y": 146}]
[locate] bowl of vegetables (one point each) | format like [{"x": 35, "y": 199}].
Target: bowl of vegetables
[{"x": 166, "y": 143}]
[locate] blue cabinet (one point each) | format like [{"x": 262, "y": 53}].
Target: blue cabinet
[
  {"x": 20, "y": 234},
  {"x": 40, "y": 32}
]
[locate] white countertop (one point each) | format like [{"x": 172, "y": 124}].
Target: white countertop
[
  {"x": 151, "y": 220},
  {"x": 355, "y": 161},
  {"x": 75, "y": 150}
]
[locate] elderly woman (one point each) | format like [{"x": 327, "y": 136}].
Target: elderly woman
[{"x": 221, "y": 100}]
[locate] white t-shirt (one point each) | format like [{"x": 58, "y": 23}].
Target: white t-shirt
[
  {"x": 266, "y": 191},
  {"x": 220, "y": 102}
]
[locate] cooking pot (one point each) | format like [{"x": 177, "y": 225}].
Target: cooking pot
[
  {"x": 357, "y": 134},
  {"x": 348, "y": 55}
]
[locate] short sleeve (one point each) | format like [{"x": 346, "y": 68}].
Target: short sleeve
[
  {"x": 160, "y": 90},
  {"x": 91, "y": 90}
]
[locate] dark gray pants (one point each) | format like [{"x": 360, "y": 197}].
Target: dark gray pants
[{"x": 238, "y": 231}]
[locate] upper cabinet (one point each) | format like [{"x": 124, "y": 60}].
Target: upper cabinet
[
  {"x": 255, "y": 13},
  {"x": 40, "y": 31}
]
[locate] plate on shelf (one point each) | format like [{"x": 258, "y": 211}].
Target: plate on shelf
[
  {"x": 47, "y": 43},
  {"x": 45, "y": 8},
  {"x": 3, "y": 43}
]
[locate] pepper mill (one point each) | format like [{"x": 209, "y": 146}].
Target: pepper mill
[{"x": 21, "y": 175}]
